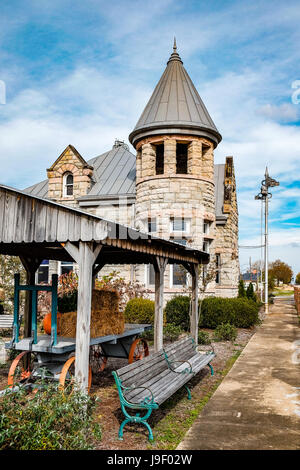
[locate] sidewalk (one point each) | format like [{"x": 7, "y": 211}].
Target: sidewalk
[{"x": 257, "y": 406}]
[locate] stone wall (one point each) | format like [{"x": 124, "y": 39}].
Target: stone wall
[
  {"x": 169, "y": 196},
  {"x": 70, "y": 161},
  {"x": 226, "y": 243}
]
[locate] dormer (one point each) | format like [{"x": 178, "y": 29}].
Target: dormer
[{"x": 69, "y": 177}]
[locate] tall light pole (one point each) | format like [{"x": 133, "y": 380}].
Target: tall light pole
[{"x": 264, "y": 196}]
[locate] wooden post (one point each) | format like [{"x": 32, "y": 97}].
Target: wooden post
[
  {"x": 30, "y": 265},
  {"x": 159, "y": 267},
  {"x": 85, "y": 256},
  {"x": 194, "y": 319}
]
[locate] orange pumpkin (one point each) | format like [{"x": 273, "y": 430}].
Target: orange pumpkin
[{"x": 47, "y": 323}]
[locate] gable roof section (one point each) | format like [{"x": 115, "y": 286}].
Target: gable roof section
[
  {"x": 75, "y": 152},
  {"x": 114, "y": 174}
]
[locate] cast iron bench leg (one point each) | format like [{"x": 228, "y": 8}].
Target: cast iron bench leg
[
  {"x": 211, "y": 369},
  {"x": 135, "y": 419},
  {"x": 189, "y": 392}
]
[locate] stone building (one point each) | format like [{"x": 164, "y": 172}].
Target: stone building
[{"x": 171, "y": 187}]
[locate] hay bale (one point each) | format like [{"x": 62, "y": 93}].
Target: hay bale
[{"x": 106, "y": 318}]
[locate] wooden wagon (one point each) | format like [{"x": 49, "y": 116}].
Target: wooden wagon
[{"x": 51, "y": 357}]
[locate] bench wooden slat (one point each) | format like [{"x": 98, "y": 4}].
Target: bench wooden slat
[
  {"x": 162, "y": 374},
  {"x": 6, "y": 321}
]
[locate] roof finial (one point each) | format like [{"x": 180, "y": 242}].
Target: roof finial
[
  {"x": 174, "y": 46},
  {"x": 174, "y": 55}
]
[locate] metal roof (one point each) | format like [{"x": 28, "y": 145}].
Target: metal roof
[
  {"x": 114, "y": 173},
  {"x": 175, "y": 107},
  {"x": 114, "y": 176}
]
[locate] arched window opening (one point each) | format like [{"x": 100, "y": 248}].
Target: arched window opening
[
  {"x": 181, "y": 158},
  {"x": 68, "y": 184},
  {"x": 159, "y": 164}
]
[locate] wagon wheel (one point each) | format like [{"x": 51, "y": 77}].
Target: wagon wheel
[
  {"x": 138, "y": 350},
  {"x": 18, "y": 373},
  {"x": 98, "y": 360},
  {"x": 67, "y": 375}
]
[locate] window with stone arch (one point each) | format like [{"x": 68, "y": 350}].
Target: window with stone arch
[{"x": 68, "y": 184}]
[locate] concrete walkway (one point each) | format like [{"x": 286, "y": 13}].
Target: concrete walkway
[{"x": 257, "y": 406}]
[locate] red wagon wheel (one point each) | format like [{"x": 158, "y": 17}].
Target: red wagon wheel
[
  {"x": 138, "y": 350},
  {"x": 98, "y": 360},
  {"x": 67, "y": 375},
  {"x": 17, "y": 372}
]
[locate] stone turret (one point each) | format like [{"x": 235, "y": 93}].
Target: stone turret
[{"x": 175, "y": 139}]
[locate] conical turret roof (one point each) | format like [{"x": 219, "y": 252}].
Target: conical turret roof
[{"x": 175, "y": 107}]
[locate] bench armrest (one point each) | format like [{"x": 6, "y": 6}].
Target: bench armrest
[
  {"x": 184, "y": 371},
  {"x": 147, "y": 403},
  {"x": 147, "y": 400}
]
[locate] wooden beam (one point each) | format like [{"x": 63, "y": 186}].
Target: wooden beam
[
  {"x": 194, "y": 317},
  {"x": 86, "y": 259},
  {"x": 159, "y": 264}
]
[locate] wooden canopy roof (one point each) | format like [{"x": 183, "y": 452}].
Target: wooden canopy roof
[{"x": 34, "y": 227}]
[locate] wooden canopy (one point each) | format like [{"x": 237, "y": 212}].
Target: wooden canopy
[{"x": 35, "y": 229}]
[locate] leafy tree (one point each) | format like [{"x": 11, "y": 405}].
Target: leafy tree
[
  {"x": 281, "y": 272},
  {"x": 242, "y": 292},
  {"x": 297, "y": 279}
]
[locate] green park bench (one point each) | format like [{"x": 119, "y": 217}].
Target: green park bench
[{"x": 144, "y": 385}]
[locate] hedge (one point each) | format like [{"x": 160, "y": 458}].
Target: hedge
[{"x": 240, "y": 312}]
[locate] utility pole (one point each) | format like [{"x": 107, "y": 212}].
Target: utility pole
[{"x": 264, "y": 196}]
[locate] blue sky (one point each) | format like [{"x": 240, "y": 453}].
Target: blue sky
[{"x": 82, "y": 72}]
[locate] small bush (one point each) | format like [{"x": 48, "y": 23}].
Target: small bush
[
  {"x": 250, "y": 292},
  {"x": 139, "y": 310},
  {"x": 172, "y": 332},
  {"x": 242, "y": 292},
  {"x": 240, "y": 312},
  {"x": 50, "y": 420},
  {"x": 67, "y": 303},
  {"x": 225, "y": 332},
  {"x": 177, "y": 311},
  {"x": 203, "y": 337}
]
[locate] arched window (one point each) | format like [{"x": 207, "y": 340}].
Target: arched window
[{"x": 68, "y": 182}]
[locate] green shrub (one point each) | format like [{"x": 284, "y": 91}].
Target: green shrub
[
  {"x": 139, "y": 310},
  {"x": 250, "y": 292},
  {"x": 67, "y": 303},
  {"x": 240, "y": 312},
  {"x": 177, "y": 311},
  {"x": 172, "y": 332},
  {"x": 203, "y": 337},
  {"x": 49, "y": 420},
  {"x": 225, "y": 332},
  {"x": 242, "y": 292}
]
